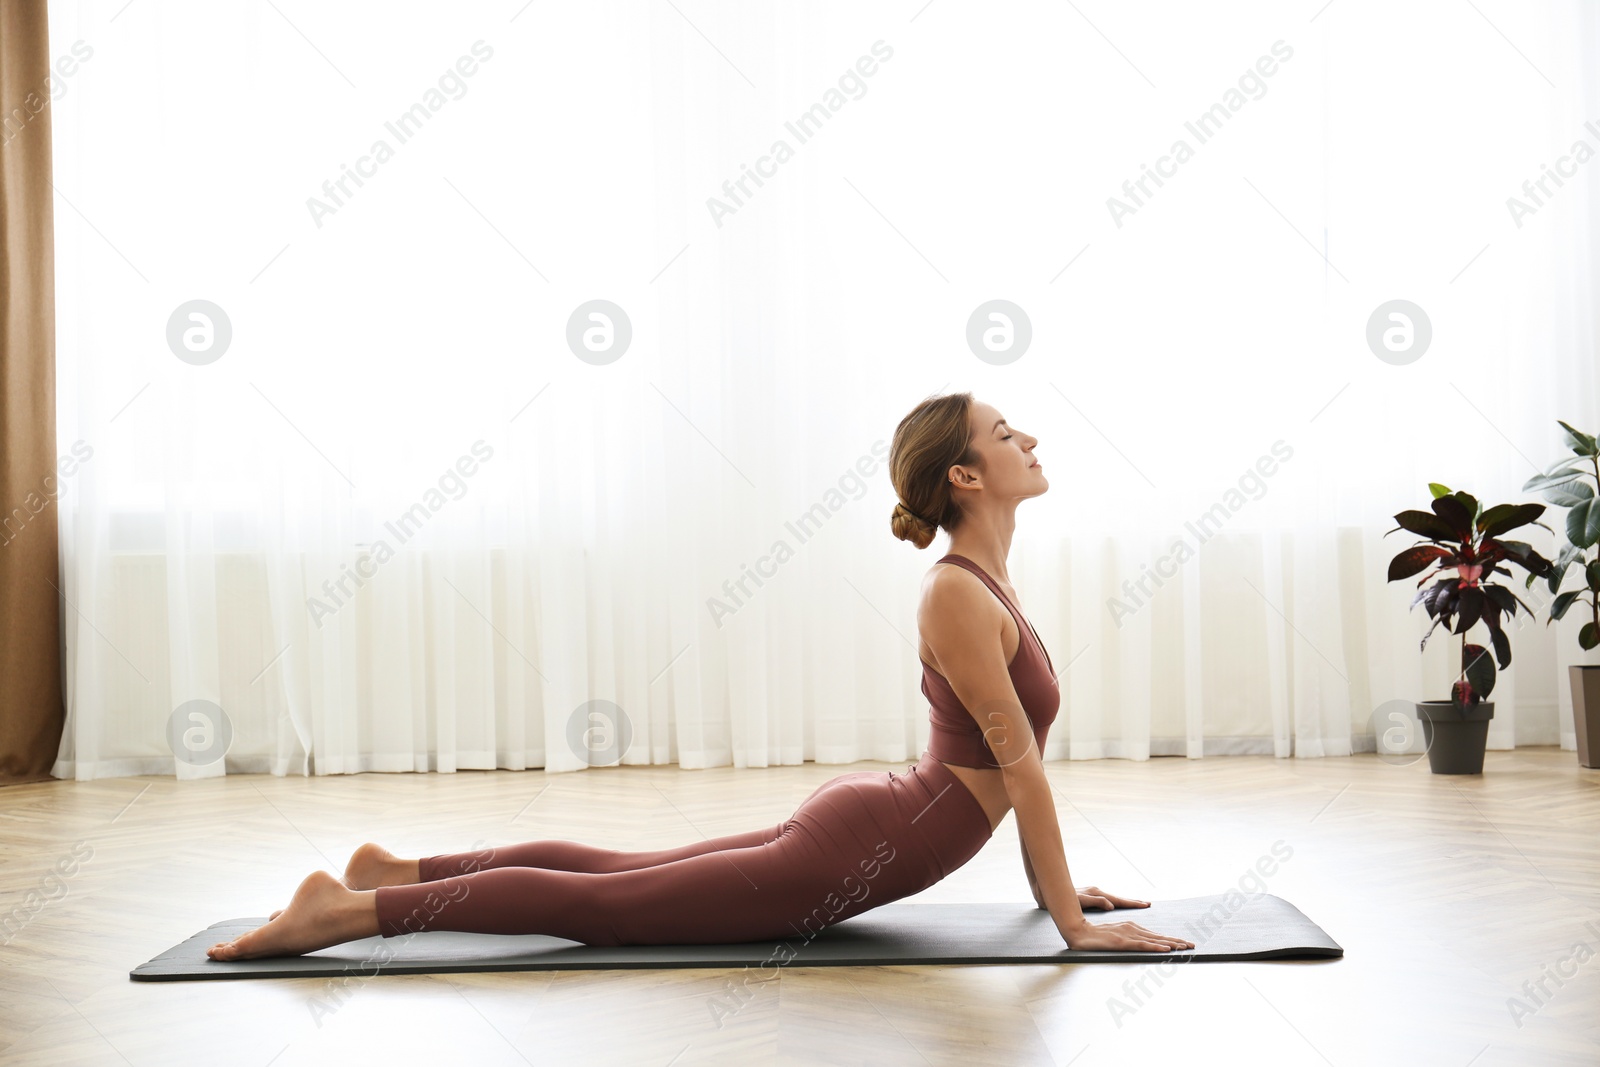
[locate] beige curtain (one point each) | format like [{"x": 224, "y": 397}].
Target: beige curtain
[{"x": 31, "y": 709}]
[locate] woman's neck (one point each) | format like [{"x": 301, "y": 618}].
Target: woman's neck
[{"x": 986, "y": 541}]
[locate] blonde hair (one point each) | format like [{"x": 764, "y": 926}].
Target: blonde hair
[{"x": 933, "y": 437}]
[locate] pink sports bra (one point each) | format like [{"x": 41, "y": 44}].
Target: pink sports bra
[{"x": 955, "y": 736}]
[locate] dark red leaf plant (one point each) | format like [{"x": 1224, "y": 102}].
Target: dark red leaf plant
[{"x": 1460, "y": 536}]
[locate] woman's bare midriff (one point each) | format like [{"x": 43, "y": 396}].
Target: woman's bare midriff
[{"x": 987, "y": 785}]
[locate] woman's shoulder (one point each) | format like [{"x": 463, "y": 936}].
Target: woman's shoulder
[
  {"x": 954, "y": 595},
  {"x": 951, "y": 568},
  {"x": 947, "y": 575}
]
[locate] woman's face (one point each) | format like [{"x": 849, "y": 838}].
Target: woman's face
[{"x": 1006, "y": 453}]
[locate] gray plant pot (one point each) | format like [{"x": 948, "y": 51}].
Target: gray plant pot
[
  {"x": 1585, "y": 681},
  {"x": 1456, "y": 737}
]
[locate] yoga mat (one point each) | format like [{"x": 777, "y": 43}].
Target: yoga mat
[{"x": 1224, "y": 927}]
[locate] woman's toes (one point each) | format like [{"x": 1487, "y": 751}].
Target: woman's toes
[
  {"x": 221, "y": 950},
  {"x": 318, "y": 917}
]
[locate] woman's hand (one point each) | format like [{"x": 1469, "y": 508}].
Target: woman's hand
[
  {"x": 1093, "y": 897},
  {"x": 1121, "y": 937}
]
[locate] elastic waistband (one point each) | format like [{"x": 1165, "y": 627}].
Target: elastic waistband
[{"x": 949, "y": 803}]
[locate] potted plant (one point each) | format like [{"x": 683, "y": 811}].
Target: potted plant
[
  {"x": 1460, "y": 535},
  {"x": 1563, "y": 484}
]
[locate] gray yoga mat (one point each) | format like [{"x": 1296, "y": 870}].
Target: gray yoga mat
[{"x": 1223, "y": 927}]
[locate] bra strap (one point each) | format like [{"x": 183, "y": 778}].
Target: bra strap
[{"x": 1016, "y": 613}]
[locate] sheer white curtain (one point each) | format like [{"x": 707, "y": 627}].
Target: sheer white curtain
[{"x": 401, "y": 523}]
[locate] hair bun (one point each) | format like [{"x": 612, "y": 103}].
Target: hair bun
[{"x": 909, "y": 526}]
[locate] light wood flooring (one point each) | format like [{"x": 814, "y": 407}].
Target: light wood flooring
[{"x": 1448, "y": 893}]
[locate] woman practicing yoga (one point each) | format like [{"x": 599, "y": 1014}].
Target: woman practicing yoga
[{"x": 861, "y": 839}]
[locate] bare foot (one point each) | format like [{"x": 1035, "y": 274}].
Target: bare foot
[
  {"x": 371, "y": 866},
  {"x": 322, "y": 913}
]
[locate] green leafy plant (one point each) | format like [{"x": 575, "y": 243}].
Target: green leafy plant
[
  {"x": 1563, "y": 484},
  {"x": 1460, "y": 535}
]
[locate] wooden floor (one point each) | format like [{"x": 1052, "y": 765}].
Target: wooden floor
[{"x": 1454, "y": 898}]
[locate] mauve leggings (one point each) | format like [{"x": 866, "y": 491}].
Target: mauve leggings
[{"x": 860, "y": 840}]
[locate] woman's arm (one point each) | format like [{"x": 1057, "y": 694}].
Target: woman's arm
[
  {"x": 963, "y": 623},
  {"x": 1029, "y": 792},
  {"x": 1090, "y": 896},
  {"x": 1027, "y": 868}
]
